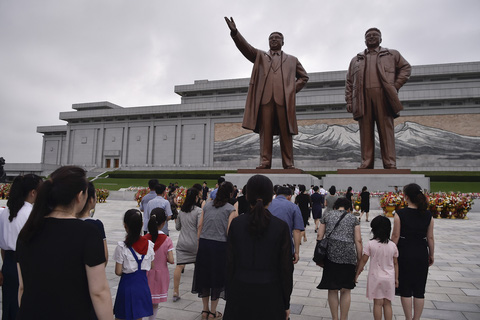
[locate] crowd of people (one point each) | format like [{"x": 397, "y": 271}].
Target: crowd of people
[{"x": 244, "y": 245}]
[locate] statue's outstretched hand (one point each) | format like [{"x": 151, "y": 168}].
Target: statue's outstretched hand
[{"x": 231, "y": 24}]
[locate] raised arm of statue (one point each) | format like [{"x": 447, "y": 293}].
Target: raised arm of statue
[{"x": 245, "y": 48}]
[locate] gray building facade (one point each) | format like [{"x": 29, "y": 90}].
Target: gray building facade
[{"x": 439, "y": 128}]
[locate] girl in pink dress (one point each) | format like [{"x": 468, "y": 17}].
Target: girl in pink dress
[
  {"x": 158, "y": 276},
  {"x": 383, "y": 270}
]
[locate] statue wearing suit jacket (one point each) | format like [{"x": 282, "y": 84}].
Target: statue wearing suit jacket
[{"x": 270, "y": 106}]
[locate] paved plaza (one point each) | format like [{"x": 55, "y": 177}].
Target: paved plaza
[{"x": 453, "y": 287}]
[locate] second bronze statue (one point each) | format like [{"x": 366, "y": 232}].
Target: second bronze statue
[
  {"x": 373, "y": 79},
  {"x": 270, "y": 106}
]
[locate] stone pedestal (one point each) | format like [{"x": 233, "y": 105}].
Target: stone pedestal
[
  {"x": 278, "y": 176},
  {"x": 374, "y": 179}
]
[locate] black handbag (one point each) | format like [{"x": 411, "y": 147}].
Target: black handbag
[{"x": 320, "y": 252}]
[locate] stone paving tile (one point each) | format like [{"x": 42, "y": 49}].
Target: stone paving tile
[
  {"x": 301, "y": 292},
  {"x": 296, "y": 308},
  {"x": 465, "y": 279},
  {"x": 472, "y": 292},
  {"x": 175, "y": 314},
  {"x": 360, "y": 306},
  {"x": 464, "y": 299},
  {"x": 304, "y": 278},
  {"x": 471, "y": 316},
  {"x": 442, "y": 314},
  {"x": 455, "y": 306},
  {"x": 304, "y": 317},
  {"x": 316, "y": 311},
  {"x": 455, "y": 284},
  {"x": 446, "y": 290},
  {"x": 437, "y": 296}
]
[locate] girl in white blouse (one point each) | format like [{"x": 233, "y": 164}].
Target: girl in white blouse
[
  {"x": 19, "y": 205},
  {"x": 133, "y": 259}
]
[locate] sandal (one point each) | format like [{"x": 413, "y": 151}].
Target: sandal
[
  {"x": 207, "y": 312},
  {"x": 176, "y": 297},
  {"x": 216, "y": 316}
]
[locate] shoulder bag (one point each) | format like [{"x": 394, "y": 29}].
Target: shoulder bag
[{"x": 320, "y": 252}]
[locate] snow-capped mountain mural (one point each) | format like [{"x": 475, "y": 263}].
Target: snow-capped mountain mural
[{"x": 329, "y": 145}]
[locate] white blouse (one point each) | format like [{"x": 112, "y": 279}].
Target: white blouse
[
  {"x": 124, "y": 256},
  {"x": 9, "y": 230}
]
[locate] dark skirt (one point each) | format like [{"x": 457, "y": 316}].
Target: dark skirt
[
  {"x": 337, "y": 276},
  {"x": 210, "y": 269},
  {"x": 134, "y": 299},
  {"x": 412, "y": 268},
  {"x": 10, "y": 286},
  {"x": 317, "y": 211},
  {"x": 254, "y": 301}
]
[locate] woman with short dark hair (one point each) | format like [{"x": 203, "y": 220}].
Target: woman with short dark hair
[
  {"x": 318, "y": 201},
  {"x": 330, "y": 199},
  {"x": 188, "y": 222},
  {"x": 304, "y": 202},
  {"x": 364, "y": 204},
  {"x": 343, "y": 253}
]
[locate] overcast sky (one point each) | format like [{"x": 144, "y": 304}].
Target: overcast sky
[{"x": 54, "y": 53}]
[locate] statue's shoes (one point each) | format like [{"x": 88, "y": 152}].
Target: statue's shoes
[{"x": 264, "y": 166}]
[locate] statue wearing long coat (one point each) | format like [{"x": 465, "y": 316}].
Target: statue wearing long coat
[{"x": 294, "y": 79}]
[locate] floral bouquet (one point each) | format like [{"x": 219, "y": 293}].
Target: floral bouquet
[
  {"x": 102, "y": 195},
  {"x": 140, "y": 194},
  {"x": 4, "y": 190},
  {"x": 181, "y": 194}
]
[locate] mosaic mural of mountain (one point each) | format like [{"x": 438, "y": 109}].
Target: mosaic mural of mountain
[{"x": 321, "y": 144}]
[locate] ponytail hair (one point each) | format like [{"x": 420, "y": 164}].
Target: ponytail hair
[
  {"x": 259, "y": 194},
  {"x": 157, "y": 217},
  {"x": 21, "y": 187},
  {"x": 190, "y": 200},
  {"x": 414, "y": 192},
  {"x": 224, "y": 193},
  {"x": 91, "y": 194},
  {"x": 133, "y": 222},
  {"x": 61, "y": 189}
]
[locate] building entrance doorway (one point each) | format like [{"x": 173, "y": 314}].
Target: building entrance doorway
[{"x": 112, "y": 163}]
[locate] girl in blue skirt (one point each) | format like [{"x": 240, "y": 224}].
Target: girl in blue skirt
[{"x": 133, "y": 259}]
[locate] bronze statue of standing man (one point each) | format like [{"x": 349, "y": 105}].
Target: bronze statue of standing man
[
  {"x": 373, "y": 79},
  {"x": 270, "y": 106}
]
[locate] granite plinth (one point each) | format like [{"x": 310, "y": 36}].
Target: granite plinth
[
  {"x": 270, "y": 171},
  {"x": 374, "y": 171},
  {"x": 374, "y": 181},
  {"x": 281, "y": 177}
]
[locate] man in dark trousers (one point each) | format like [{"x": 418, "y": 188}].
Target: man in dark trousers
[
  {"x": 373, "y": 79},
  {"x": 270, "y": 106}
]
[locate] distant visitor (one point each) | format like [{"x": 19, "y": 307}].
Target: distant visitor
[
  {"x": 373, "y": 79},
  {"x": 270, "y": 107}
]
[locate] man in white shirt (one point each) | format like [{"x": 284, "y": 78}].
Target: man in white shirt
[
  {"x": 158, "y": 202},
  {"x": 322, "y": 191}
]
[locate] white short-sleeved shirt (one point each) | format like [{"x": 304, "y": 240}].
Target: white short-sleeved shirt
[
  {"x": 9, "y": 230},
  {"x": 124, "y": 256}
]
